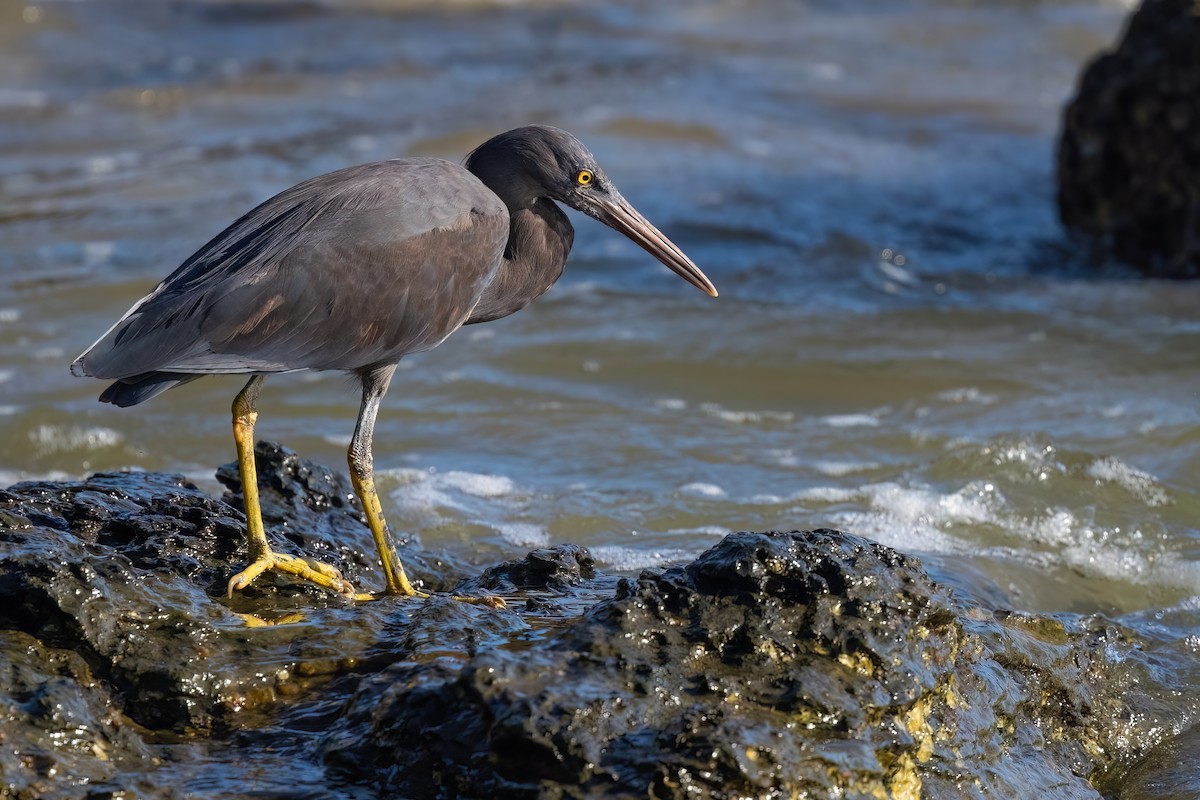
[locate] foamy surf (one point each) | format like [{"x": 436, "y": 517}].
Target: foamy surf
[{"x": 53, "y": 439}]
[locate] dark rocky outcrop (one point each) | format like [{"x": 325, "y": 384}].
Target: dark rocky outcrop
[
  {"x": 1129, "y": 156},
  {"x": 129, "y": 570},
  {"x": 802, "y": 664},
  {"x": 810, "y": 664}
]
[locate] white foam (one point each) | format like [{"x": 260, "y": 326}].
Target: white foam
[
  {"x": 745, "y": 417},
  {"x": 101, "y": 165},
  {"x": 1091, "y": 553},
  {"x": 908, "y": 518},
  {"x": 50, "y": 354},
  {"x": 1178, "y": 572},
  {"x": 967, "y": 394},
  {"x": 716, "y": 531},
  {"x": 629, "y": 559},
  {"x": 826, "y": 494},
  {"x": 1140, "y": 484},
  {"x": 784, "y": 457},
  {"x": 1019, "y": 453},
  {"x": 900, "y": 532},
  {"x": 850, "y": 421},
  {"x": 836, "y": 469},
  {"x": 10, "y": 314},
  {"x": 405, "y": 475},
  {"x": 429, "y": 497},
  {"x": 523, "y": 534},
  {"x": 1113, "y": 562},
  {"x": 417, "y": 496},
  {"x": 922, "y": 519},
  {"x": 476, "y": 484},
  {"x": 96, "y": 253},
  {"x": 65, "y": 438},
  {"x": 670, "y": 403},
  {"x": 702, "y": 490},
  {"x": 921, "y": 505},
  {"x": 1056, "y": 528}
]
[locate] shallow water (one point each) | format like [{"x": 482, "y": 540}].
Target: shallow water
[{"x": 906, "y": 344}]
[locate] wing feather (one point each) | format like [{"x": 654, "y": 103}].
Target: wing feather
[{"x": 351, "y": 269}]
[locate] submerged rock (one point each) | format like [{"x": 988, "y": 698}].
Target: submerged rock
[
  {"x": 800, "y": 664},
  {"x": 1129, "y": 154}
]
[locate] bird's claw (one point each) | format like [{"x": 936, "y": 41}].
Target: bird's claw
[
  {"x": 491, "y": 601},
  {"x": 317, "y": 572},
  {"x": 329, "y": 577}
]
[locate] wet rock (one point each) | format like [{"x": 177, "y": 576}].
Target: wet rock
[
  {"x": 129, "y": 570},
  {"x": 776, "y": 665},
  {"x": 790, "y": 664},
  {"x": 1129, "y": 156},
  {"x": 1168, "y": 772},
  {"x": 552, "y": 581},
  {"x": 555, "y": 568},
  {"x": 60, "y": 723}
]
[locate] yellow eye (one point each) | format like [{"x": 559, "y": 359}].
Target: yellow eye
[{"x": 584, "y": 177}]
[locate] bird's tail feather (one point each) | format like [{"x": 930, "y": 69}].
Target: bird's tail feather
[{"x": 139, "y": 388}]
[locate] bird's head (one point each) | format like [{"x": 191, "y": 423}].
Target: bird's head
[{"x": 540, "y": 161}]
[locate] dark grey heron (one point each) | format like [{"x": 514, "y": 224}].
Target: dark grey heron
[{"x": 353, "y": 271}]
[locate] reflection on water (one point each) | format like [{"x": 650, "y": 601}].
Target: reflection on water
[{"x": 905, "y": 345}]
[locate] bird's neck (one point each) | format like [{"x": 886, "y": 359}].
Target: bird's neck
[{"x": 539, "y": 239}]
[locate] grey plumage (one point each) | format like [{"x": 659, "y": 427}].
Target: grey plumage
[{"x": 360, "y": 253}]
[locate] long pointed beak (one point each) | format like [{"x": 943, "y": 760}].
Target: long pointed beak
[{"x": 616, "y": 213}]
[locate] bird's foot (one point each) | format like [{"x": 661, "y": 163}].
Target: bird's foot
[
  {"x": 487, "y": 600},
  {"x": 316, "y": 572},
  {"x": 364, "y": 597}
]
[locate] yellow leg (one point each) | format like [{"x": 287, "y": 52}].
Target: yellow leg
[
  {"x": 261, "y": 556},
  {"x": 393, "y": 570},
  {"x": 361, "y": 460}
]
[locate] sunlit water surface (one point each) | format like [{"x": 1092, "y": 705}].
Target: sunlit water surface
[{"x": 906, "y": 344}]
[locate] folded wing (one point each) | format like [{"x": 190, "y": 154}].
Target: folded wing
[{"x": 348, "y": 270}]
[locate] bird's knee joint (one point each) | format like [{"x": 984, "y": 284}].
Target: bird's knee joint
[
  {"x": 361, "y": 464},
  {"x": 245, "y": 420}
]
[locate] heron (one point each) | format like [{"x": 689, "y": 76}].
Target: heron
[{"x": 352, "y": 271}]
